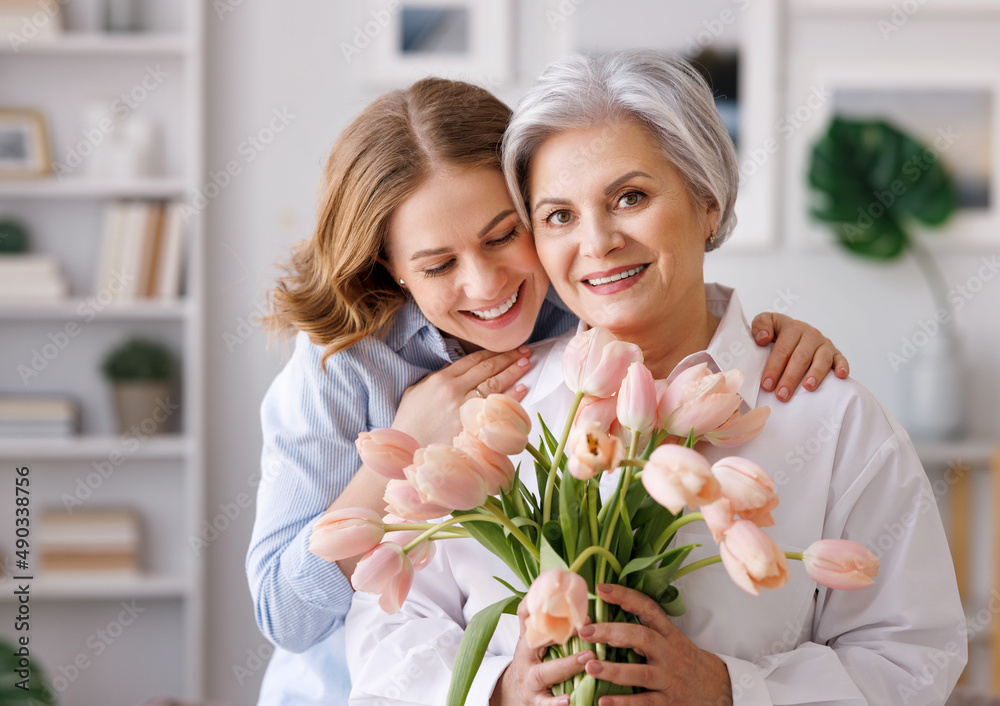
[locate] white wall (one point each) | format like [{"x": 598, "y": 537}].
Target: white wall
[{"x": 286, "y": 57}]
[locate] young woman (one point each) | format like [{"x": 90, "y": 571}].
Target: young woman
[
  {"x": 623, "y": 236},
  {"x": 419, "y": 288}
]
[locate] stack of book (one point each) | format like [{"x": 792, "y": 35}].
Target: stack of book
[
  {"x": 91, "y": 541},
  {"x": 32, "y": 417},
  {"x": 31, "y": 277},
  {"x": 141, "y": 251}
]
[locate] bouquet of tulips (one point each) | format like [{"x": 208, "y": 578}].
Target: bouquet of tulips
[{"x": 564, "y": 539}]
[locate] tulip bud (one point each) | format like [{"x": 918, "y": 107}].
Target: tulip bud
[
  {"x": 637, "y": 400},
  {"x": 339, "y": 534},
  {"x": 420, "y": 555},
  {"x": 498, "y": 421},
  {"x": 841, "y": 564},
  {"x": 739, "y": 428},
  {"x": 386, "y": 451},
  {"x": 402, "y": 499},
  {"x": 387, "y": 571},
  {"x": 557, "y": 607},
  {"x": 752, "y": 559},
  {"x": 592, "y": 450},
  {"x": 443, "y": 475},
  {"x": 748, "y": 487},
  {"x": 709, "y": 405},
  {"x": 675, "y": 476},
  {"x": 719, "y": 517},
  {"x": 595, "y": 362},
  {"x": 497, "y": 469}
]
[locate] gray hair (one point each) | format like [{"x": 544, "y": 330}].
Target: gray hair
[{"x": 659, "y": 90}]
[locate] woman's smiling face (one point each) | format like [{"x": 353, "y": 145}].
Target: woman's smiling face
[
  {"x": 619, "y": 234},
  {"x": 467, "y": 259}
]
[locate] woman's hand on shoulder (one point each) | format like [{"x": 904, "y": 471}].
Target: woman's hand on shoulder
[
  {"x": 800, "y": 351},
  {"x": 429, "y": 409}
]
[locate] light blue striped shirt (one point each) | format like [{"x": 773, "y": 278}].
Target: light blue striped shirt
[{"x": 310, "y": 421}]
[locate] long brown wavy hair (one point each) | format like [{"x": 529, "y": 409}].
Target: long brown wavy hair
[{"x": 335, "y": 288}]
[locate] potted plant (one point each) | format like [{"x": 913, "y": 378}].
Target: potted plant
[
  {"x": 874, "y": 182},
  {"x": 142, "y": 373}
]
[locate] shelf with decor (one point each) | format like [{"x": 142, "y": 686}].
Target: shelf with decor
[{"x": 112, "y": 125}]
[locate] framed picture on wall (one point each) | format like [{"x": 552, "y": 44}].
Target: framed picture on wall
[
  {"x": 24, "y": 144},
  {"x": 950, "y": 109},
  {"x": 468, "y": 40}
]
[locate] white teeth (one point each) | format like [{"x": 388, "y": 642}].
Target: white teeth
[
  {"x": 496, "y": 311},
  {"x": 616, "y": 277}
]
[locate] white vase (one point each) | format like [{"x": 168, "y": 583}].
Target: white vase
[{"x": 931, "y": 393}]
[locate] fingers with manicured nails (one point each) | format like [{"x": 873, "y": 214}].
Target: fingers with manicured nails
[
  {"x": 840, "y": 365},
  {"x": 798, "y": 363},
  {"x": 497, "y": 372},
  {"x": 638, "y": 604},
  {"x": 822, "y": 364},
  {"x": 762, "y": 327},
  {"x": 780, "y": 353}
]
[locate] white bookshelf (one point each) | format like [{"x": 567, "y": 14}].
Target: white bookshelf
[{"x": 163, "y": 477}]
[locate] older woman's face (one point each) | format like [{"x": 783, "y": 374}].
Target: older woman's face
[
  {"x": 616, "y": 228},
  {"x": 467, "y": 259}
]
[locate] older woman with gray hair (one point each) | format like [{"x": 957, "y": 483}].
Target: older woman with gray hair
[{"x": 627, "y": 176}]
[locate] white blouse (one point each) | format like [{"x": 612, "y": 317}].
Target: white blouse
[{"x": 843, "y": 468}]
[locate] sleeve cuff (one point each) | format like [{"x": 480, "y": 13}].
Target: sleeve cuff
[
  {"x": 749, "y": 687},
  {"x": 486, "y": 679},
  {"x": 315, "y": 581}
]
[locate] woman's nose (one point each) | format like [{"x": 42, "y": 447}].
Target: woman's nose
[
  {"x": 485, "y": 279},
  {"x": 598, "y": 236}
]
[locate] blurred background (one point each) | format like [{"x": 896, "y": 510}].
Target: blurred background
[{"x": 158, "y": 160}]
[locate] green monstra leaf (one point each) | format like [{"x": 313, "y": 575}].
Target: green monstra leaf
[{"x": 471, "y": 649}]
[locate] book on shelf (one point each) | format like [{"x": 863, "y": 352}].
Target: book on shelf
[
  {"x": 89, "y": 541},
  {"x": 31, "y": 277},
  {"x": 141, "y": 251},
  {"x": 37, "y": 416}
]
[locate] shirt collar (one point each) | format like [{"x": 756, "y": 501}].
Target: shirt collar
[
  {"x": 410, "y": 322},
  {"x": 732, "y": 347}
]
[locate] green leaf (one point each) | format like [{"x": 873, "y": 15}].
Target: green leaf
[
  {"x": 655, "y": 583},
  {"x": 549, "y": 436},
  {"x": 673, "y": 603},
  {"x": 494, "y": 538},
  {"x": 569, "y": 514},
  {"x": 872, "y": 179},
  {"x": 519, "y": 594},
  {"x": 551, "y": 558},
  {"x": 471, "y": 649}
]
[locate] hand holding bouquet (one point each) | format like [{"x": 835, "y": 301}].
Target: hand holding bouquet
[{"x": 559, "y": 535}]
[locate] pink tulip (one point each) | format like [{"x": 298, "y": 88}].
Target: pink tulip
[
  {"x": 841, "y": 564},
  {"x": 748, "y": 487},
  {"x": 637, "y": 400},
  {"x": 386, "y": 451},
  {"x": 498, "y": 421},
  {"x": 387, "y": 571},
  {"x": 604, "y": 411},
  {"x": 497, "y": 469},
  {"x": 739, "y": 428},
  {"x": 557, "y": 607},
  {"x": 670, "y": 396},
  {"x": 752, "y": 559},
  {"x": 676, "y": 476},
  {"x": 710, "y": 403},
  {"x": 402, "y": 499},
  {"x": 719, "y": 517},
  {"x": 443, "y": 475},
  {"x": 339, "y": 534},
  {"x": 595, "y": 362},
  {"x": 421, "y": 555},
  {"x": 592, "y": 450}
]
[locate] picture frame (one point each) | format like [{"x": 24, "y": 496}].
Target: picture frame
[
  {"x": 952, "y": 108},
  {"x": 458, "y": 39},
  {"x": 24, "y": 144}
]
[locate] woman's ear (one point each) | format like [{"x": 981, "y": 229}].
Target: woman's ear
[{"x": 388, "y": 268}]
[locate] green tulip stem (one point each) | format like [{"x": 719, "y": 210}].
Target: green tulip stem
[
  {"x": 695, "y": 565},
  {"x": 408, "y": 526},
  {"x": 537, "y": 455},
  {"x": 557, "y": 457},
  {"x": 473, "y": 517},
  {"x": 590, "y": 551},
  {"x": 672, "y": 528},
  {"x": 515, "y": 532},
  {"x": 795, "y": 556}
]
